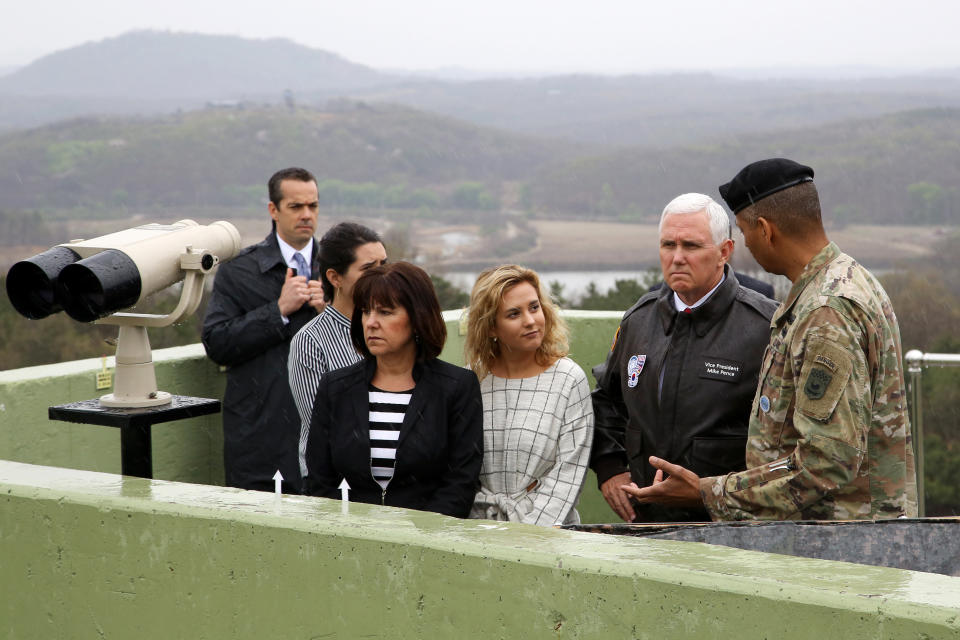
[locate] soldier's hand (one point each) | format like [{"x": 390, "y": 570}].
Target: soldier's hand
[
  {"x": 676, "y": 487},
  {"x": 615, "y": 496},
  {"x": 316, "y": 295},
  {"x": 293, "y": 294}
]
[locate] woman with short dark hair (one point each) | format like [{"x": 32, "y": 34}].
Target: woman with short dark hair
[
  {"x": 401, "y": 427},
  {"x": 347, "y": 251}
]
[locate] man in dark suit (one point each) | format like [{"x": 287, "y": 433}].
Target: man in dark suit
[{"x": 260, "y": 300}]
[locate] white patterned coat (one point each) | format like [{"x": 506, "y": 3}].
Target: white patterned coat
[{"x": 537, "y": 434}]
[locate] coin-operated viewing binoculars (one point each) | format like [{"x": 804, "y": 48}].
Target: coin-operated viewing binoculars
[{"x": 92, "y": 280}]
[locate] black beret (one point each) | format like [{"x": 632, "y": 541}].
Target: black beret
[{"x": 763, "y": 178}]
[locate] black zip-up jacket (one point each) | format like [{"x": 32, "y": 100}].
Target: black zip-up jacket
[
  {"x": 439, "y": 451},
  {"x": 711, "y": 362},
  {"x": 244, "y": 331}
]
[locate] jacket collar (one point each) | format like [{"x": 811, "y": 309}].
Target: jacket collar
[
  {"x": 817, "y": 264},
  {"x": 707, "y": 314}
]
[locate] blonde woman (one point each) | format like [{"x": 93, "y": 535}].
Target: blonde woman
[{"x": 537, "y": 414}]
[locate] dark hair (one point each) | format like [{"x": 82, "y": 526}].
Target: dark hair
[
  {"x": 338, "y": 250},
  {"x": 406, "y": 285},
  {"x": 795, "y": 210},
  {"x": 291, "y": 173}
]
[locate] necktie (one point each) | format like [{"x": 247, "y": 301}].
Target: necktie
[
  {"x": 687, "y": 310},
  {"x": 302, "y": 268}
]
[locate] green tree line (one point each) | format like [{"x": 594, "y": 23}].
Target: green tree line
[{"x": 391, "y": 158}]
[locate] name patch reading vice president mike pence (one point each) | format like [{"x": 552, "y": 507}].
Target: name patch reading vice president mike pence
[{"x": 720, "y": 369}]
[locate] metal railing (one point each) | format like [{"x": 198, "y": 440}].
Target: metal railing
[{"x": 916, "y": 361}]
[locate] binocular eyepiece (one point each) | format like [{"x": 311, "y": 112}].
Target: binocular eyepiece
[{"x": 94, "y": 278}]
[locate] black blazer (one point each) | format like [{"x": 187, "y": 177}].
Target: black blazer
[{"x": 439, "y": 451}]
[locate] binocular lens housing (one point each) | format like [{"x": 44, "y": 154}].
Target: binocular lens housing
[
  {"x": 31, "y": 283},
  {"x": 97, "y": 286},
  {"x": 92, "y": 279}
]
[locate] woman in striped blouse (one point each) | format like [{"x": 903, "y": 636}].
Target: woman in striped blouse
[
  {"x": 537, "y": 413},
  {"x": 347, "y": 251},
  {"x": 402, "y": 427}
]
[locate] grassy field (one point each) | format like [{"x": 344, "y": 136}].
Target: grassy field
[{"x": 598, "y": 245}]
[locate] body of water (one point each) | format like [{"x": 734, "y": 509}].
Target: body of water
[{"x": 574, "y": 282}]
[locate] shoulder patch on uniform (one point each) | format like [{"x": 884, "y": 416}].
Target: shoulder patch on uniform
[
  {"x": 634, "y": 368},
  {"x": 825, "y": 361},
  {"x": 826, "y": 371},
  {"x": 817, "y": 382}
]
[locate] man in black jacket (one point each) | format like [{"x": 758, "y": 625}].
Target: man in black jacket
[
  {"x": 683, "y": 369},
  {"x": 260, "y": 300}
]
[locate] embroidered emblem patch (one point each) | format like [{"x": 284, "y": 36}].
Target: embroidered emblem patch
[
  {"x": 817, "y": 383},
  {"x": 634, "y": 367},
  {"x": 764, "y": 404},
  {"x": 825, "y": 361}
]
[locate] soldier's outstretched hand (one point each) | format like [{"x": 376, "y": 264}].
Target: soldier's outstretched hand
[{"x": 673, "y": 486}]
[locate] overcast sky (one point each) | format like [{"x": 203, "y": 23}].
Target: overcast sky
[{"x": 604, "y": 36}]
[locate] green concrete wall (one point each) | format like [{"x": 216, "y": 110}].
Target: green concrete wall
[
  {"x": 92, "y": 555},
  {"x": 192, "y": 450},
  {"x": 185, "y": 450}
]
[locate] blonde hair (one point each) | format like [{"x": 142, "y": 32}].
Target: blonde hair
[{"x": 480, "y": 350}]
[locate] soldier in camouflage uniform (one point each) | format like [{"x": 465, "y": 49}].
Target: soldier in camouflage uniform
[{"x": 829, "y": 437}]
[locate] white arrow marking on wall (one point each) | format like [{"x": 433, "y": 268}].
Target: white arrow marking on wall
[
  {"x": 344, "y": 496},
  {"x": 277, "y": 479}
]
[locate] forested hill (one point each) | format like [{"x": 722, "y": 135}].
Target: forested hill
[
  {"x": 899, "y": 168},
  {"x": 153, "y": 65},
  {"x": 222, "y": 157}
]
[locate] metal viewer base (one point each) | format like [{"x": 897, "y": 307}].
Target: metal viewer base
[{"x": 136, "y": 452}]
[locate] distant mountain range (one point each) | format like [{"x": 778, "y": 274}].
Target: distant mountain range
[
  {"x": 666, "y": 110},
  {"x": 151, "y": 65},
  {"x": 149, "y": 73}
]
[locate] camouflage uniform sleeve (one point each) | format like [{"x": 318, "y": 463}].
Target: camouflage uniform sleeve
[{"x": 829, "y": 420}]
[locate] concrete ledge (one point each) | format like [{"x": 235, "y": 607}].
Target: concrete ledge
[
  {"x": 160, "y": 356},
  {"x": 185, "y": 450},
  {"x": 91, "y": 555}
]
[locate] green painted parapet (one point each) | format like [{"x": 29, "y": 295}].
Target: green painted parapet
[
  {"x": 192, "y": 450},
  {"x": 185, "y": 450},
  {"x": 93, "y": 555}
]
